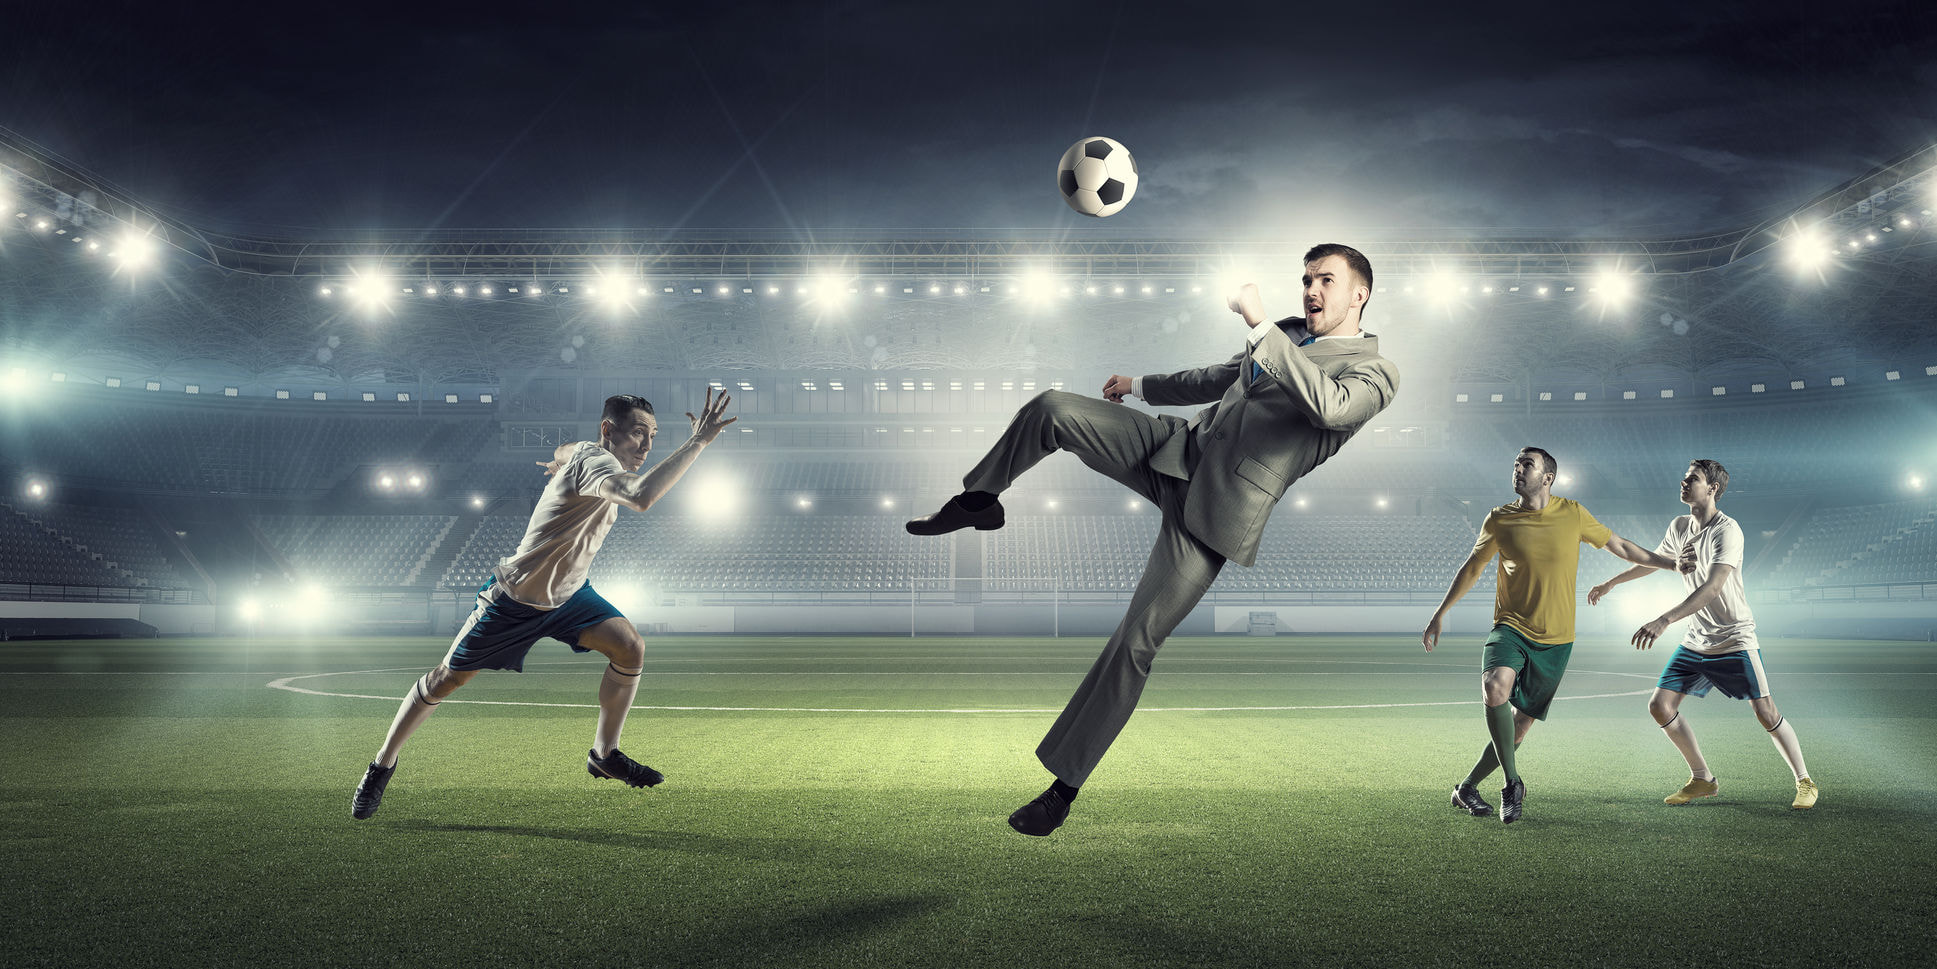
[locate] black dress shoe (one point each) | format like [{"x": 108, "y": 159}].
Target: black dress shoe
[
  {"x": 1039, "y": 817},
  {"x": 1468, "y": 799},
  {"x": 954, "y": 516},
  {"x": 1510, "y": 798}
]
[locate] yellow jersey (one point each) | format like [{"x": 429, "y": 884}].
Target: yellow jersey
[{"x": 1540, "y": 553}]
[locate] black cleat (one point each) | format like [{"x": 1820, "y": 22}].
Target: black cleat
[
  {"x": 954, "y": 516},
  {"x": 1467, "y": 798},
  {"x": 369, "y": 791},
  {"x": 619, "y": 767},
  {"x": 1039, "y": 817},
  {"x": 1510, "y": 798}
]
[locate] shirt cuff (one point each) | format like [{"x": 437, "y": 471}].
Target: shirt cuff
[
  {"x": 1136, "y": 387},
  {"x": 1257, "y": 333}
]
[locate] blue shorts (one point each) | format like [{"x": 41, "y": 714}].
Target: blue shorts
[
  {"x": 1739, "y": 675},
  {"x": 502, "y": 630}
]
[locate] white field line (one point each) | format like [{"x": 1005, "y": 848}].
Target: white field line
[{"x": 288, "y": 683}]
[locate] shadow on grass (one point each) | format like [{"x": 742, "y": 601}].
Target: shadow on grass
[
  {"x": 774, "y": 936},
  {"x": 633, "y": 840}
]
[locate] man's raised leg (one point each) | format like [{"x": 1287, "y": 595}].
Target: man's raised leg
[{"x": 1108, "y": 437}]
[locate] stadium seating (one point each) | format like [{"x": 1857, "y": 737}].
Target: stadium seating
[{"x": 346, "y": 551}]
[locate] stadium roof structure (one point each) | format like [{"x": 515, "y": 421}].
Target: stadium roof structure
[{"x": 1844, "y": 282}]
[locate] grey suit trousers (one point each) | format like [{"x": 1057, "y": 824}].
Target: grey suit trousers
[{"x": 1118, "y": 442}]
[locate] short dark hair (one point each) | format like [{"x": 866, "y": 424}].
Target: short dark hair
[
  {"x": 1553, "y": 466},
  {"x": 1361, "y": 266},
  {"x": 1718, "y": 476},
  {"x": 620, "y": 406}
]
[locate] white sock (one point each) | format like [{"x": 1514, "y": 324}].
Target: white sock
[
  {"x": 616, "y": 690},
  {"x": 1785, "y": 737},
  {"x": 1684, "y": 740},
  {"x": 417, "y": 707}
]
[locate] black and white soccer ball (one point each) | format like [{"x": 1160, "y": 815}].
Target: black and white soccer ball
[{"x": 1097, "y": 175}]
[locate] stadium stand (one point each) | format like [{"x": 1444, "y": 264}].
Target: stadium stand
[{"x": 357, "y": 550}]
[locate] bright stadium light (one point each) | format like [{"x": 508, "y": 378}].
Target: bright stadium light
[
  {"x": 135, "y": 251},
  {"x": 415, "y": 481},
  {"x": 1808, "y": 251},
  {"x": 1037, "y": 287},
  {"x": 1614, "y": 288},
  {"x": 1915, "y": 482},
  {"x": 248, "y": 610},
  {"x": 803, "y": 502},
  {"x": 36, "y": 489},
  {"x": 14, "y": 382},
  {"x": 1442, "y": 287},
  {"x": 386, "y": 482},
  {"x": 371, "y": 287},
  {"x": 715, "y": 499},
  {"x": 312, "y": 604},
  {"x": 477, "y": 501},
  {"x": 827, "y": 289}
]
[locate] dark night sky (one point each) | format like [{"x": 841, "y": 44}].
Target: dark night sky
[{"x": 1275, "y": 120}]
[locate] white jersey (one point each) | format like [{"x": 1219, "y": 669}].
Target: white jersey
[
  {"x": 566, "y": 530},
  {"x": 1725, "y": 625}
]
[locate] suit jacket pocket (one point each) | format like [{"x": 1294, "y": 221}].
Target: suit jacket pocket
[{"x": 1262, "y": 477}]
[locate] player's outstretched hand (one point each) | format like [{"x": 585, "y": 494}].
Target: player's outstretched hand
[
  {"x": 1115, "y": 388},
  {"x": 1431, "y": 637},
  {"x": 1646, "y": 635},
  {"x": 1594, "y": 595},
  {"x": 1248, "y": 303},
  {"x": 708, "y": 425}
]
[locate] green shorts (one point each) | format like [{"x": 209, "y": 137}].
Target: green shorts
[{"x": 1537, "y": 668}]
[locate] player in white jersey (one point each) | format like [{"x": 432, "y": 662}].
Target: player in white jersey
[
  {"x": 1720, "y": 648},
  {"x": 541, "y": 589}
]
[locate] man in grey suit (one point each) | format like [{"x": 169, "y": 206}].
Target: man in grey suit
[{"x": 1290, "y": 399}]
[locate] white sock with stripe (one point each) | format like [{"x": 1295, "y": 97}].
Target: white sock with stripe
[
  {"x": 1684, "y": 741},
  {"x": 1785, "y": 737},
  {"x": 616, "y": 690}
]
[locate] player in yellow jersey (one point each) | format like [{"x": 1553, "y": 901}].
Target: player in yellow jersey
[{"x": 1538, "y": 538}]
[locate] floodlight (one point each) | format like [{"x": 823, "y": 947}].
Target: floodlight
[
  {"x": 1614, "y": 287},
  {"x": 14, "y": 382},
  {"x": 248, "y": 610},
  {"x": 36, "y": 488},
  {"x": 803, "y": 502},
  {"x": 1808, "y": 251},
  {"x": 716, "y": 498},
  {"x": 827, "y": 289},
  {"x": 386, "y": 482},
  {"x": 136, "y": 250},
  {"x": 371, "y": 287},
  {"x": 477, "y": 501},
  {"x": 415, "y": 481},
  {"x": 1915, "y": 482},
  {"x": 1037, "y": 287},
  {"x": 1442, "y": 287}
]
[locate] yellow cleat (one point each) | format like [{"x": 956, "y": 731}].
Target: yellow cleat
[
  {"x": 1699, "y": 788},
  {"x": 1805, "y": 795}
]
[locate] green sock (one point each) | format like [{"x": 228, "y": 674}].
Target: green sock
[
  {"x": 1486, "y": 765},
  {"x": 1499, "y": 723}
]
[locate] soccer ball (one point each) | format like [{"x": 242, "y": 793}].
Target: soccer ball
[{"x": 1098, "y": 177}]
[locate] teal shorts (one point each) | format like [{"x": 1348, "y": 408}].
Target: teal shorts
[{"x": 1537, "y": 668}]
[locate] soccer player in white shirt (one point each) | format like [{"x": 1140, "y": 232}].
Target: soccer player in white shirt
[
  {"x": 1719, "y": 649},
  {"x": 541, "y": 590}
]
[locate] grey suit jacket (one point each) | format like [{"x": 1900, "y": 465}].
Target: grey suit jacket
[{"x": 1258, "y": 437}]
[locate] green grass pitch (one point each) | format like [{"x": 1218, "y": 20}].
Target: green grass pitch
[{"x": 180, "y": 802}]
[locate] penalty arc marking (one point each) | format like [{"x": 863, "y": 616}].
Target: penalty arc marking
[{"x": 289, "y": 683}]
